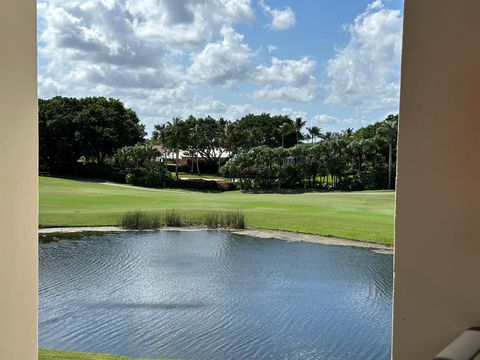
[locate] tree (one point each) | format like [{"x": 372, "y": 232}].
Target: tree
[
  {"x": 58, "y": 149},
  {"x": 264, "y": 129},
  {"x": 299, "y": 124},
  {"x": 388, "y": 131},
  {"x": 138, "y": 156},
  {"x": 175, "y": 138},
  {"x": 314, "y": 132},
  {"x": 264, "y": 154},
  {"x": 160, "y": 135},
  {"x": 93, "y": 127},
  {"x": 285, "y": 130}
]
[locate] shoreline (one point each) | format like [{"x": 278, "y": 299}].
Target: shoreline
[{"x": 289, "y": 236}]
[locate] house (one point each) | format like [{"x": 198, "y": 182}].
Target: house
[{"x": 184, "y": 155}]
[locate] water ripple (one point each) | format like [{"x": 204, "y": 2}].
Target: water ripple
[{"x": 214, "y": 295}]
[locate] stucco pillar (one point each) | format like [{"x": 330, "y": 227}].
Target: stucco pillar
[
  {"x": 18, "y": 180},
  {"x": 437, "y": 252}
]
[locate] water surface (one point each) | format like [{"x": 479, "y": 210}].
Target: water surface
[{"x": 214, "y": 295}]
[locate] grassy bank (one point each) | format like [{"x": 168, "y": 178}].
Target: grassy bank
[
  {"x": 67, "y": 355},
  {"x": 356, "y": 215}
]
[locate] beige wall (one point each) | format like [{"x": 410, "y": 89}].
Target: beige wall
[
  {"x": 18, "y": 180},
  {"x": 437, "y": 255}
]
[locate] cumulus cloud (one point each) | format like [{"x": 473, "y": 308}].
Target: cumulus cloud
[
  {"x": 287, "y": 81},
  {"x": 291, "y": 72},
  {"x": 365, "y": 72},
  {"x": 332, "y": 123},
  {"x": 161, "y": 56},
  {"x": 281, "y": 18},
  {"x": 130, "y": 43},
  {"x": 324, "y": 120},
  {"x": 158, "y": 51},
  {"x": 187, "y": 22},
  {"x": 286, "y": 94},
  {"x": 49, "y": 87},
  {"x": 202, "y": 107},
  {"x": 230, "y": 59},
  {"x": 223, "y": 61}
]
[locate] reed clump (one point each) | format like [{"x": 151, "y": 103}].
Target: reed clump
[
  {"x": 234, "y": 219},
  {"x": 173, "y": 217},
  {"x": 212, "y": 219},
  {"x": 140, "y": 220}
]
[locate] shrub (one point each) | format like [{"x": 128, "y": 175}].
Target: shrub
[
  {"x": 140, "y": 220},
  {"x": 203, "y": 184},
  {"x": 154, "y": 177},
  {"x": 182, "y": 167},
  {"x": 130, "y": 178},
  {"x": 119, "y": 175},
  {"x": 173, "y": 218}
]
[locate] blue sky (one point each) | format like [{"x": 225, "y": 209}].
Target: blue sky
[{"x": 336, "y": 63}]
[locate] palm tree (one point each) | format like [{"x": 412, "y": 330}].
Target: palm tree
[
  {"x": 314, "y": 132},
  {"x": 348, "y": 132},
  {"x": 388, "y": 131},
  {"x": 286, "y": 130},
  {"x": 160, "y": 134},
  {"x": 299, "y": 124},
  {"x": 175, "y": 138},
  {"x": 317, "y": 132}
]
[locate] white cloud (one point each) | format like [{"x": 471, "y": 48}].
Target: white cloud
[
  {"x": 129, "y": 43},
  {"x": 210, "y": 106},
  {"x": 286, "y": 94},
  {"x": 272, "y": 48},
  {"x": 365, "y": 73},
  {"x": 185, "y": 23},
  {"x": 324, "y": 120},
  {"x": 49, "y": 87},
  {"x": 332, "y": 123},
  {"x": 291, "y": 72},
  {"x": 281, "y": 19},
  {"x": 133, "y": 47},
  {"x": 162, "y": 56},
  {"x": 296, "y": 76},
  {"x": 223, "y": 61}
]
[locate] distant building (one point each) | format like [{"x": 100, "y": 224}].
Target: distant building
[{"x": 169, "y": 155}]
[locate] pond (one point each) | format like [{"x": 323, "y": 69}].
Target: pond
[{"x": 214, "y": 295}]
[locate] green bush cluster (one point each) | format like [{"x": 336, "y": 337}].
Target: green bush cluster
[
  {"x": 350, "y": 160},
  {"x": 155, "y": 177}
]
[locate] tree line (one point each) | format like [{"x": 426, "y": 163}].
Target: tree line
[
  {"x": 206, "y": 140},
  {"x": 268, "y": 152},
  {"x": 100, "y": 137}
]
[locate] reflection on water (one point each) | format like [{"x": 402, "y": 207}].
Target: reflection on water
[{"x": 214, "y": 295}]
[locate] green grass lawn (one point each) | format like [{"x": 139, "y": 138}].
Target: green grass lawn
[
  {"x": 67, "y": 355},
  {"x": 366, "y": 216}
]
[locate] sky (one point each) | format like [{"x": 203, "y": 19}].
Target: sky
[{"x": 335, "y": 63}]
